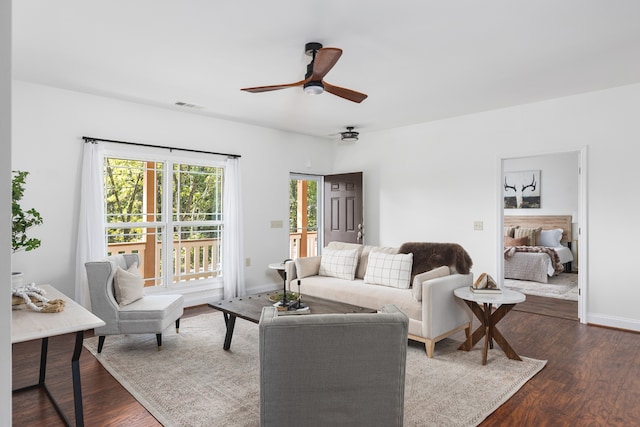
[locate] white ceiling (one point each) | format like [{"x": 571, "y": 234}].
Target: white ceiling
[{"x": 417, "y": 60}]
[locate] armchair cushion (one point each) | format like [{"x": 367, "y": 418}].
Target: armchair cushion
[{"x": 128, "y": 285}]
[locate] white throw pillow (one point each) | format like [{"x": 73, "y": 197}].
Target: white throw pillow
[
  {"x": 551, "y": 238},
  {"x": 128, "y": 285},
  {"x": 389, "y": 270},
  {"x": 340, "y": 264}
]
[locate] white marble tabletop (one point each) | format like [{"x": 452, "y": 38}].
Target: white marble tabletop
[
  {"x": 277, "y": 266},
  {"x": 27, "y": 325},
  {"x": 507, "y": 296}
]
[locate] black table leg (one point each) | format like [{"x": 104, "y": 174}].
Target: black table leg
[
  {"x": 75, "y": 373},
  {"x": 231, "y": 323}
]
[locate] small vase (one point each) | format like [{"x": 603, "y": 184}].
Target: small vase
[{"x": 16, "y": 279}]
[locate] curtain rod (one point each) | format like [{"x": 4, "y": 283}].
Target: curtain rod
[{"x": 91, "y": 139}]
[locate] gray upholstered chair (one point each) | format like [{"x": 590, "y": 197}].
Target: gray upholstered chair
[
  {"x": 151, "y": 314},
  {"x": 333, "y": 369}
]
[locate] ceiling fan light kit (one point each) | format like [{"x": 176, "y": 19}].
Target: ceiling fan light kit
[
  {"x": 349, "y": 136},
  {"x": 322, "y": 61},
  {"x": 313, "y": 88}
]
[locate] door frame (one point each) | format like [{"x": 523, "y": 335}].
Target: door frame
[{"x": 582, "y": 225}]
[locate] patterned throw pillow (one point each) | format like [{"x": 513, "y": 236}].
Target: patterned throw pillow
[
  {"x": 532, "y": 233},
  {"x": 340, "y": 264},
  {"x": 389, "y": 270}
]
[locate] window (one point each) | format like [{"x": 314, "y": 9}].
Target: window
[{"x": 150, "y": 201}]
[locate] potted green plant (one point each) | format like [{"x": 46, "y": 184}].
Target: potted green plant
[{"x": 22, "y": 221}]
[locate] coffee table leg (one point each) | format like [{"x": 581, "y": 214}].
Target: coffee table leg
[{"x": 231, "y": 323}]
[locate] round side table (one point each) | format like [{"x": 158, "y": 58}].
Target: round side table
[{"x": 482, "y": 307}]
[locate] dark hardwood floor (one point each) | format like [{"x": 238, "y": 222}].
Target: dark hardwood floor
[{"x": 592, "y": 378}]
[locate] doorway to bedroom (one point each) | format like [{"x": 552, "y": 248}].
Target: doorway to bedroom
[{"x": 548, "y": 272}]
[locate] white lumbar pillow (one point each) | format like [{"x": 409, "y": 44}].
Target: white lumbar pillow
[
  {"x": 128, "y": 285},
  {"x": 339, "y": 263},
  {"x": 389, "y": 269}
]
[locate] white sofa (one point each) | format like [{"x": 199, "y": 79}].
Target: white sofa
[{"x": 433, "y": 310}]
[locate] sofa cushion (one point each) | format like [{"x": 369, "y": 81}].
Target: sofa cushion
[
  {"x": 309, "y": 266},
  {"x": 389, "y": 269},
  {"x": 128, "y": 285},
  {"x": 364, "y": 258},
  {"x": 427, "y": 275},
  {"x": 357, "y": 292},
  {"x": 339, "y": 263}
]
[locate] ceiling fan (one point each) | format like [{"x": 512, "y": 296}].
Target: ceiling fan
[{"x": 322, "y": 61}]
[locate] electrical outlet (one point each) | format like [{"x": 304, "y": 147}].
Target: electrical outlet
[{"x": 477, "y": 225}]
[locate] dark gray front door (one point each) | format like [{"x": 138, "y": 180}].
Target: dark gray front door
[{"x": 343, "y": 208}]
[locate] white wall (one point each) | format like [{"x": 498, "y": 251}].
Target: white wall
[
  {"x": 48, "y": 124},
  {"x": 432, "y": 181},
  {"x": 5, "y": 209}
]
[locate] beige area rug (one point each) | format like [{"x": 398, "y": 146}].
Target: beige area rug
[
  {"x": 563, "y": 286},
  {"x": 194, "y": 382}
]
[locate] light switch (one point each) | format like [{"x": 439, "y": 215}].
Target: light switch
[
  {"x": 276, "y": 223},
  {"x": 247, "y": 262},
  {"x": 477, "y": 225}
]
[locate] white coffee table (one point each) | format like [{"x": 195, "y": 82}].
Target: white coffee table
[{"x": 482, "y": 307}]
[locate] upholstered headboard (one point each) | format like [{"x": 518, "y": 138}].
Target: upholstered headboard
[{"x": 547, "y": 222}]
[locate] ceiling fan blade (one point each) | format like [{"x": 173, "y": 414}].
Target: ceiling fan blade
[
  {"x": 259, "y": 89},
  {"x": 325, "y": 59},
  {"x": 349, "y": 94}
]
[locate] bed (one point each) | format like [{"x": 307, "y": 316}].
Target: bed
[{"x": 546, "y": 250}]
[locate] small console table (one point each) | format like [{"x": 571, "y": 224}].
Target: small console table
[
  {"x": 30, "y": 325},
  {"x": 507, "y": 299}
]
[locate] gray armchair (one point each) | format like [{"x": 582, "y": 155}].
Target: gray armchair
[
  {"x": 150, "y": 315},
  {"x": 333, "y": 369}
]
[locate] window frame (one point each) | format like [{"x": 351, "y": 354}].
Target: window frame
[{"x": 168, "y": 158}]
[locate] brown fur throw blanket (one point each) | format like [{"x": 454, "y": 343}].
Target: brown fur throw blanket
[{"x": 427, "y": 256}]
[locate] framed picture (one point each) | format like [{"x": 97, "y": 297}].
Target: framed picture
[{"x": 522, "y": 190}]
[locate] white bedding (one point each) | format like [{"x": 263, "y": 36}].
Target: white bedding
[
  {"x": 564, "y": 253},
  {"x": 533, "y": 266}
]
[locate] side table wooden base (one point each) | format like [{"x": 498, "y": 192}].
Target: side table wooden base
[{"x": 488, "y": 329}]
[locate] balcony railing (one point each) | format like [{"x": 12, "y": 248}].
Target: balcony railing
[
  {"x": 198, "y": 259},
  {"x": 295, "y": 240}
]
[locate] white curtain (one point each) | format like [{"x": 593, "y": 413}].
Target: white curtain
[
  {"x": 232, "y": 235},
  {"x": 91, "y": 244}
]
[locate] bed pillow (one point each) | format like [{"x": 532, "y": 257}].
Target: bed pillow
[
  {"x": 512, "y": 241},
  {"x": 551, "y": 238},
  {"x": 128, "y": 285},
  {"x": 509, "y": 231},
  {"x": 392, "y": 270},
  {"x": 532, "y": 233},
  {"x": 340, "y": 264}
]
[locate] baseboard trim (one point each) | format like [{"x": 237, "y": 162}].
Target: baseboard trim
[{"x": 631, "y": 325}]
